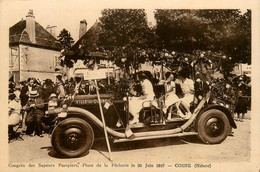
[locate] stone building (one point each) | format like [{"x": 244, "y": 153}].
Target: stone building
[{"x": 33, "y": 51}]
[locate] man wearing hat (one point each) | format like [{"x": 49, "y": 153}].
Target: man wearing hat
[
  {"x": 24, "y": 96},
  {"x": 47, "y": 90},
  {"x": 53, "y": 102},
  {"x": 35, "y": 114}
]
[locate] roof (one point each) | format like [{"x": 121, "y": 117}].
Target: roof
[
  {"x": 90, "y": 38},
  {"x": 87, "y": 44},
  {"x": 18, "y": 34}
]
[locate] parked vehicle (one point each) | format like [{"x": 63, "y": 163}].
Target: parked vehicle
[{"x": 80, "y": 120}]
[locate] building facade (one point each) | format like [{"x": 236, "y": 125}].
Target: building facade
[{"x": 33, "y": 51}]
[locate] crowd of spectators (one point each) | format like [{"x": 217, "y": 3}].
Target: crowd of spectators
[{"x": 29, "y": 99}]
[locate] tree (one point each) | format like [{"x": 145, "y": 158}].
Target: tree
[
  {"x": 124, "y": 28},
  {"x": 65, "y": 39},
  {"x": 182, "y": 30},
  {"x": 125, "y": 33},
  {"x": 226, "y": 31},
  {"x": 66, "y": 42},
  {"x": 244, "y": 43},
  {"x": 231, "y": 33}
]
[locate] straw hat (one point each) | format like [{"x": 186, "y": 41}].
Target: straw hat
[
  {"x": 33, "y": 94},
  {"x": 53, "y": 95}
]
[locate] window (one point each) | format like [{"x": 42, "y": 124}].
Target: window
[
  {"x": 57, "y": 61},
  {"x": 13, "y": 55},
  {"x": 11, "y": 61}
]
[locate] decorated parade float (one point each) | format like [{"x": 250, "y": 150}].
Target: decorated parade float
[
  {"x": 122, "y": 45},
  {"x": 105, "y": 112}
]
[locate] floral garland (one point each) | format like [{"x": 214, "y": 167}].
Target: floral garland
[{"x": 208, "y": 69}]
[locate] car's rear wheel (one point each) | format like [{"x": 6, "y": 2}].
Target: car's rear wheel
[
  {"x": 72, "y": 137},
  {"x": 212, "y": 126}
]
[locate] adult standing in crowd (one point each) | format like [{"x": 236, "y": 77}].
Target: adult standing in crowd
[
  {"x": 11, "y": 86},
  {"x": 14, "y": 113},
  {"x": 17, "y": 91},
  {"x": 47, "y": 90},
  {"x": 241, "y": 106},
  {"x": 83, "y": 90},
  {"x": 24, "y": 96},
  {"x": 69, "y": 88},
  {"x": 60, "y": 87},
  {"x": 38, "y": 86}
]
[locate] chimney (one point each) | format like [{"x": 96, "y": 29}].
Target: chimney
[
  {"x": 82, "y": 28},
  {"x": 30, "y": 26},
  {"x": 52, "y": 30},
  {"x": 48, "y": 28}
]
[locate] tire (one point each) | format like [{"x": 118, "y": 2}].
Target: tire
[
  {"x": 212, "y": 126},
  {"x": 72, "y": 137}
]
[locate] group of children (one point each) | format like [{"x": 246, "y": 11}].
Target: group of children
[{"x": 136, "y": 104}]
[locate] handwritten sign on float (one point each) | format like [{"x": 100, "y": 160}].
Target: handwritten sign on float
[{"x": 94, "y": 74}]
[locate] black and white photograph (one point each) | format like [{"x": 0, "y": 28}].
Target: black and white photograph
[{"x": 95, "y": 86}]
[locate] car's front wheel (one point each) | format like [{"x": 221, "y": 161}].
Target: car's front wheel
[
  {"x": 72, "y": 137},
  {"x": 213, "y": 126}
]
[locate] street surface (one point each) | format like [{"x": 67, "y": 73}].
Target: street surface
[{"x": 168, "y": 150}]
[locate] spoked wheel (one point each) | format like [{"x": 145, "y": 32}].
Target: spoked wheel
[
  {"x": 72, "y": 137},
  {"x": 213, "y": 126}
]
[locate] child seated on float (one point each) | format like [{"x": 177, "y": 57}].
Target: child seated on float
[{"x": 170, "y": 96}]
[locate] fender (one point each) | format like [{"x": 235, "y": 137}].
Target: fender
[
  {"x": 90, "y": 116},
  {"x": 224, "y": 110},
  {"x": 96, "y": 121}
]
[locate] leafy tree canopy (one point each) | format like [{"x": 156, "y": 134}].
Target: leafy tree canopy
[
  {"x": 66, "y": 42},
  {"x": 227, "y": 31},
  {"x": 65, "y": 39},
  {"x": 124, "y": 28}
]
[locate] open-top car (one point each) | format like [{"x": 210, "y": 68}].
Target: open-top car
[{"x": 82, "y": 118}]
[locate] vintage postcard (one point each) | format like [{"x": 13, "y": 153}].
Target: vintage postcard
[{"x": 130, "y": 85}]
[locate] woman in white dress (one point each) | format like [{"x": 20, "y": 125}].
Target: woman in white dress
[
  {"x": 137, "y": 103},
  {"x": 14, "y": 113},
  {"x": 187, "y": 87}
]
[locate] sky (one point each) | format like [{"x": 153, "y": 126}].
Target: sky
[
  {"x": 63, "y": 15},
  {"x": 68, "y": 14}
]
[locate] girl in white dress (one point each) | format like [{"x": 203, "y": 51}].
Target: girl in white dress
[{"x": 170, "y": 92}]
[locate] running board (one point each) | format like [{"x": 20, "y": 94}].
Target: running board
[
  {"x": 176, "y": 120},
  {"x": 155, "y": 137},
  {"x": 141, "y": 125}
]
